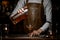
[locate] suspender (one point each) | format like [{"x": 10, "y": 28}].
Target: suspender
[
  {"x": 41, "y": 1},
  {"x": 26, "y": 1}
]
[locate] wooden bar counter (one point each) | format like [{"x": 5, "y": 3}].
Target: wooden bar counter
[{"x": 27, "y": 38}]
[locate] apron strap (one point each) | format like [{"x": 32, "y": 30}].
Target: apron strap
[{"x": 41, "y": 1}]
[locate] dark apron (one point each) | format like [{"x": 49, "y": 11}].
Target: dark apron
[{"x": 35, "y": 17}]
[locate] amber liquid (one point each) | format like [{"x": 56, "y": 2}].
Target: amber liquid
[{"x": 18, "y": 19}]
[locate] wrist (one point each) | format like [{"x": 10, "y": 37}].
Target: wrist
[{"x": 40, "y": 30}]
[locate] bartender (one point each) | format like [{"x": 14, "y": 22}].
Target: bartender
[{"x": 47, "y": 12}]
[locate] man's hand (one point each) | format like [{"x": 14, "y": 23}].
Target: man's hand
[
  {"x": 35, "y": 32},
  {"x": 22, "y": 9}
]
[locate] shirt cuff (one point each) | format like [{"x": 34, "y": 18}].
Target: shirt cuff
[{"x": 45, "y": 26}]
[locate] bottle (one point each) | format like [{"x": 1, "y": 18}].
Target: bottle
[{"x": 19, "y": 15}]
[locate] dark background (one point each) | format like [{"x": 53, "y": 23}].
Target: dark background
[
  {"x": 56, "y": 17},
  {"x": 4, "y": 19}
]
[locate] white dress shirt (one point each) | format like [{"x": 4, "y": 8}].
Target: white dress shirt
[{"x": 47, "y": 10}]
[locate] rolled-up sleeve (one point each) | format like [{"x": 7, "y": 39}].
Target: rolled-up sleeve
[
  {"x": 48, "y": 13},
  {"x": 19, "y": 5}
]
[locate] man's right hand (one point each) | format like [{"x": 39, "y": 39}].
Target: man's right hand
[{"x": 22, "y": 10}]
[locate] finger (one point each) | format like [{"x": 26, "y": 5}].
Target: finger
[
  {"x": 20, "y": 11},
  {"x": 31, "y": 34},
  {"x": 36, "y": 33}
]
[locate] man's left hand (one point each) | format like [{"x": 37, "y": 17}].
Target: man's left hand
[{"x": 35, "y": 32}]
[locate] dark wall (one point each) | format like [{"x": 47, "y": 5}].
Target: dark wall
[{"x": 56, "y": 16}]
